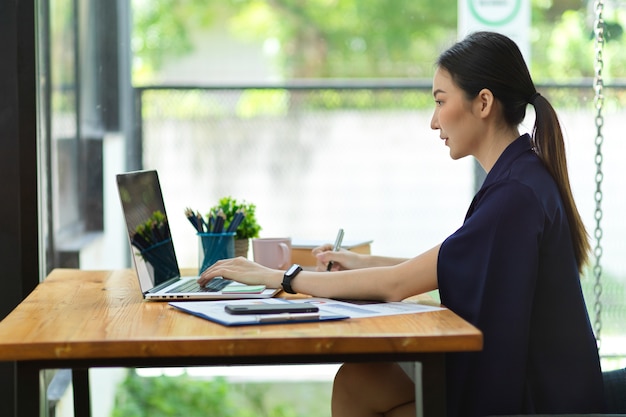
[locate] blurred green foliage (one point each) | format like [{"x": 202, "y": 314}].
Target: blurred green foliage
[
  {"x": 167, "y": 396},
  {"x": 368, "y": 39}
]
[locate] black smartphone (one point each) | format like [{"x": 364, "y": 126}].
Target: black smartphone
[{"x": 270, "y": 308}]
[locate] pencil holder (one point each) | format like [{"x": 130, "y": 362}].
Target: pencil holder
[{"x": 213, "y": 247}]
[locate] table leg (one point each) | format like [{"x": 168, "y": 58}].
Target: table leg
[
  {"x": 434, "y": 385},
  {"x": 419, "y": 390},
  {"x": 30, "y": 389},
  {"x": 82, "y": 400}
]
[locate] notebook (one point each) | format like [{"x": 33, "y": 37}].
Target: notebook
[{"x": 152, "y": 248}]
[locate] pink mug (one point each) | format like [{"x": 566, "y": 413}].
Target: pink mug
[{"x": 273, "y": 252}]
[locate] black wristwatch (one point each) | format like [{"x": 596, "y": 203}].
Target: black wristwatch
[{"x": 290, "y": 274}]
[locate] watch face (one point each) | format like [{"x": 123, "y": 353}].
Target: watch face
[{"x": 292, "y": 269}]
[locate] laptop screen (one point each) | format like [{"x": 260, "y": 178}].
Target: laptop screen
[{"x": 148, "y": 228}]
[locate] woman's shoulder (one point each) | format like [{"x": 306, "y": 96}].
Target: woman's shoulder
[
  {"x": 529, "y": 170},
  {"x": 520, "y": 163},
  {"x": 526, "y": 183}
]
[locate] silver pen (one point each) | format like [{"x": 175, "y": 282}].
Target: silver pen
[
  {"x": 336, "y": 247},
  {"x": 279, "y": 318}
]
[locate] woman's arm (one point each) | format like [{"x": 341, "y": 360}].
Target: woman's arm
[
  {"x": 386, "y": 283},
  {"x": 346, "y": 259}
]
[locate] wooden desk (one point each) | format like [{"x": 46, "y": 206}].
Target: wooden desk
[{"x": 81, "y": 319}]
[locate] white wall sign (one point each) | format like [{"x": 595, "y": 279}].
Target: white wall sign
[{"x": 509, "y": 17}]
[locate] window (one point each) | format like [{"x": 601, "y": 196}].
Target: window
[{"x": 293, "y": 113}]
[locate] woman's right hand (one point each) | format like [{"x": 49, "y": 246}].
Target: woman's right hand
[{"x": 342, "y": 260}]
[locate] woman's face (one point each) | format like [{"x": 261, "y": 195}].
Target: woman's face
[{"x": 454, "y": 117}]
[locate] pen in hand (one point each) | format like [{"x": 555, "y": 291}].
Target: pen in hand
[{"x": 336, "y": 247}]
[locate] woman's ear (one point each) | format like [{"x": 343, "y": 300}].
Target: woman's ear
[{"x": 485, "y": 102}]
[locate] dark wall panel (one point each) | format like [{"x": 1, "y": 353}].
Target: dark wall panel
[{"x": 18, "y": 169}]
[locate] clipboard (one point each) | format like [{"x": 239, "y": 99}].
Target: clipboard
[{"x": 214, "y": 311}]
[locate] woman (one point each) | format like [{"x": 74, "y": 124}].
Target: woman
[{"x": 512, "y": 269}]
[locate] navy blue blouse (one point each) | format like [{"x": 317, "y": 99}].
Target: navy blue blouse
[{"x": 511, "y": 271}]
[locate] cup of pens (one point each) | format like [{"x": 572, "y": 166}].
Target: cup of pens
[
  {"x": 213, "y": 247},
  {"x": 216, "y": 238}
]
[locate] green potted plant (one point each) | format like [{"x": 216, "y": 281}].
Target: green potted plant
[{"x": 248, "y": 228}]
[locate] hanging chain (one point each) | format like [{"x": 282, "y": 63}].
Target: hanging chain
[{"x": 598, "y": 85}]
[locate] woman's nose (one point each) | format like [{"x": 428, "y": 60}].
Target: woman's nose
[{"x": 434, "y": 122}]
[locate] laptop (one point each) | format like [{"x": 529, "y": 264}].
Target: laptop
[{"x": 152, "y": 248}]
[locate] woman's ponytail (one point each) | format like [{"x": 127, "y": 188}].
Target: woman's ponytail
[{"x": 549, "y": 145}]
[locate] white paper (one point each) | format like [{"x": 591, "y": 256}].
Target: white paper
[{"x": 328, "y": 309}]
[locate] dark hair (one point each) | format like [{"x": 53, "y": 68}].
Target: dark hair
[{"x": 493, "y": 61}]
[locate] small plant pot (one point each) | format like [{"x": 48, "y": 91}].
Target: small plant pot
[{"x": 241, "y": 247}]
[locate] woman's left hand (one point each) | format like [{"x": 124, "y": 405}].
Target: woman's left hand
[{"x": 242, "y": 270}]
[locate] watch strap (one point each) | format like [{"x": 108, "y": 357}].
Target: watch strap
[{"x": 290, "y": 274}]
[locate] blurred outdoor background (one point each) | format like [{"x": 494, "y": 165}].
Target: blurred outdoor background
[{"x": 318, "y": 112}]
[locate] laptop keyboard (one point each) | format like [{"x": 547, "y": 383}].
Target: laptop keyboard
[{"x": 216, "y": 284}]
